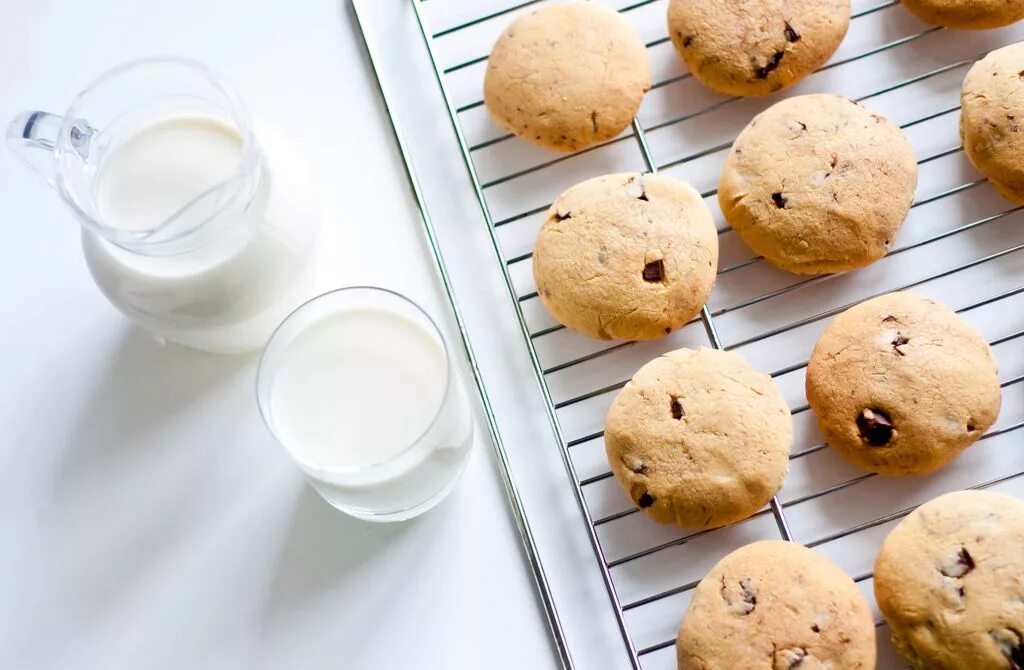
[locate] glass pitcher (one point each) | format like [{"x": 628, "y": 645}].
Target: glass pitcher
[{"x": 192, "y": 227}]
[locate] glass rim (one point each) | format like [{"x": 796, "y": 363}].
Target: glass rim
[
  {"x": 247, "y": 161},
  {"x": 359, "y": 288}
]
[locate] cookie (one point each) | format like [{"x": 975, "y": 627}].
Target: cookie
[
  {"x": 780, "y": 606},
  {"x": 818, "y": 184},
  {"x": 950, "y": 581},
  {"x": 626, "y": 256},
  {"x": 756, "y": 48},
  {"x": 901, "y": 384},
  {"x": 967, "y": 14},
  {"x": 699, "y": 438},
  {"x": 992, "y": 120},
  {"x": 567, "y": 76}
]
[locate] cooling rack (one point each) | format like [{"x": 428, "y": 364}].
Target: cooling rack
[{"x": 961, "y": 244}]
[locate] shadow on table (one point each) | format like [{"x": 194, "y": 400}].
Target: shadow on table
[
  {"x": 321, "y": 551},
  {"x": 123, "y": 489}
]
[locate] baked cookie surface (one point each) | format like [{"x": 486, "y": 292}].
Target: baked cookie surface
[
  {"x": 967, "y": 14},
  {"x": 901, "y": 384},
  {"x": 776, "y": 605},
  {"x": 567, "y": 76},
  {"x": 818, "y": 184},
  {"x": 699, "y": 438},
  {"x": 950, "y": 581},
  {"x": 756, "y": 48},
  {"x": 626, "y": 256},
  {"x": 992, "y": 119}
]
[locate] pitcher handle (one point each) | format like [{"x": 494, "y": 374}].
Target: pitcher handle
[{"x": 32, "y": 136}]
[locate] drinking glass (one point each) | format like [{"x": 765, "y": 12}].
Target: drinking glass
[{"x": 422, "y": 472}]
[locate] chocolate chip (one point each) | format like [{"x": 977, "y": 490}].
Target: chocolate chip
[
  {"x": 687, "y": 41},
  {"x": 779, "y": 200},
  {"x": 749, "y": 594},
  {"x": 889, "y": 319},
  {"x": 791, "y": 35},
  {"x": 898, "y": 342},
  {"x": 668, "y": 330},
  {"x": 677, "y": 409},
  {"x": 971, "y": 427},
  {"x": 1011, "y": 644},
  {"x": 1019, "y": 74},
  {"x": 788, "y": 659},
  {"x": 562, "y": 216},
  {"x": 816, "y": 628},
  {"x": 654, "y": 271},
  {"x": 959, "y": 565},
  {"x": 645, "y": 500},
  {"x": 593, "y": 121},
  {"x": 770, "y": 66},
  {"x": 875, "y": 427}
]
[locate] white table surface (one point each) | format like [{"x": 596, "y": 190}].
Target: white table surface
[{"x": 147, "y": 520}]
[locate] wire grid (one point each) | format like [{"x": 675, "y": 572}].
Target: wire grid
[{"x": 766, "y": 311}]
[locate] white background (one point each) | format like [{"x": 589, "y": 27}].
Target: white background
[{"x": 146, "y": 518}]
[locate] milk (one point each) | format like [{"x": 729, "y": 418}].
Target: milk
[
  {"x": 250, "y": 264},
  {"x": 357, "y": 385},
  {"x": 357, "y": 388},
  {"x": 164, "y": 166}
]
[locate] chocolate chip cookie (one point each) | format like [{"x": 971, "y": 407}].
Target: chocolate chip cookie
[
  {"x": 818, "y": 184},
  {"x": 901, "y": 384},
  {"x": 699, "y": 438},
  {"x": 776, "y": 605},
  {"x": 756, "y": 48},
  {"x": 567, "y": 76},
  {"x": 967, "y": 14},
  {"x": 950, "y": 581},
  {"x": 992, "y": 118},
  {"x": 626, "y": 256}
]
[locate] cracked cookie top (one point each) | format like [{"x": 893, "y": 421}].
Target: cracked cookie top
[
  {"x": 699, "y": 438},
  {"x": 992, "y": 118},
  {"x": 626, "y": 256},
  {"x": 950, "y": 581},
  {"x": 818, "y": 184},
  {"x": 749, "y": 48},
  {"x": 776, "y": 605},
  {"x": 567, "y": 76},
  {"x": 901, "y": 384}
]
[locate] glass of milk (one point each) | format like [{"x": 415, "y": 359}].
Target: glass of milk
[
  {"x": 359, "y": 387},
  {"x": 197, "y": 222}
]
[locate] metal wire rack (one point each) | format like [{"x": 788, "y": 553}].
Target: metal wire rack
[{"x": 961, "y": 243}]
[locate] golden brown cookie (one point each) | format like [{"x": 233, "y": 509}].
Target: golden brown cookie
[
  {"x": 776, "y": 606},
  {"x": 818, "y": 184},
  {"x": 749, "y": 48},
  {"x": 967, "y": 14},
  {"x": 992, "y": 119},
  {"x": 950, "y": 581},
  {"x": 567, "y": 76},
  {"x": 699, "y": 438},
  {"x": 626, "y": 256},
  {"x": 901, "y": 384}
]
